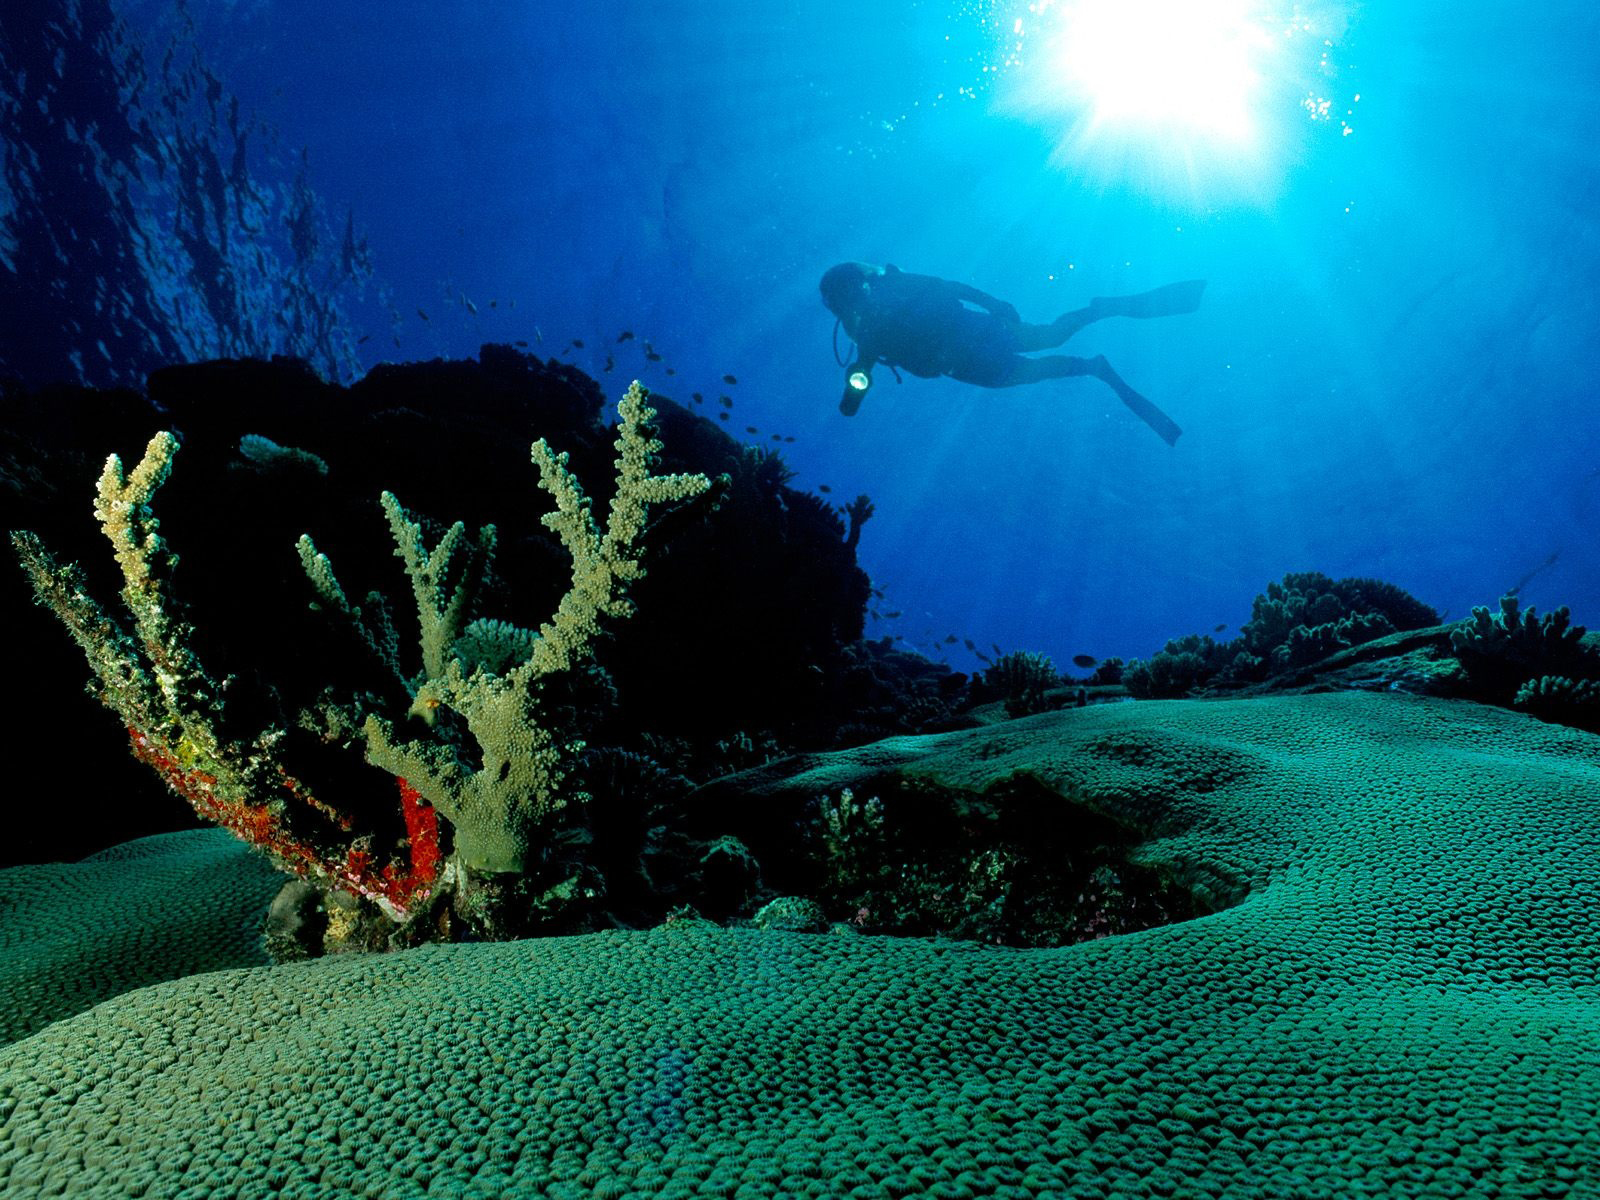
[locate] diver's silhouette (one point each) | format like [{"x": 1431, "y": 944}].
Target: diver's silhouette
[{"x": 925, "y": 324}]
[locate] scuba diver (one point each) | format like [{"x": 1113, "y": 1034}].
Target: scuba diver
[{"x": 933, "y": 327}]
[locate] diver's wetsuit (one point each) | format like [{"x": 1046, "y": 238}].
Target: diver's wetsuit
[
  {"x": 924, "y": 324},
  {"x": 920, "y": 324}
]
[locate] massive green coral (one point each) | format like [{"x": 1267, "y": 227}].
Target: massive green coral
[{"x": 1398, "y": 995}]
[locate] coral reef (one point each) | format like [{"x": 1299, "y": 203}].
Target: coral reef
[
  {"x": 1179, "y": 667},
  {"x": 1395, "y": 994},
  {"x": 1296, "y": 622},
  {"x": 1021, "y": 680},
  {"x": 745, "y": 635},
  {"x": 182, "y": 721},
  {"x": 1505, "y": 651},
  {"x": 158, "y": 908},
  {"x": 1562, "y": 701}
]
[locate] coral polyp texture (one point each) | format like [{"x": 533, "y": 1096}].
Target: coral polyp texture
[
  {"x": 1397, "y": 994},
  {"x": 158, "y": 908}
]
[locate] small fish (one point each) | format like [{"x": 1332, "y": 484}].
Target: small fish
[
  {"x": 522, "y": 342},
  {"x": 822, "y": 487},
  {"x": 892, "y": 615},
  {"x": 875, "y": 614},
  {"x": 363, "y": 339},
  {"x": 777, "y": 437},
  {"x": 950, "y": 639},
  {"x": 422, "y": 314},
  {"x": 512, "y": 304},
  {"x": 494, "y": 304},
  {"x": 578, "y": 342},
  {"x": 1084, "y": 660},
  {"x": 652, "y": 356},
  {"x": 788, "y": 437},
  {"x": 723, "y": 415},
  {"x": 625, "y": 336},
  {"x": 751, "y": 429},
  {"x": 610, "y": 362},
  {"x": 967, "y": 642},
  {"x": 697, "y": 397},
  {"x": 672, "y": 371},
  {"x": 875, "y": 592},
  {"x": 396, "y": 343},
  {"x": 998, "y": 653},
  {"x": 982, "y": 657},
  {"x": 537, "y": 333},
  {"x": 471, "y": 307},
  {"x": 729, "y": 379},
  {"x": 727, "y": 401},
  {"x": 1220, "y": 628}
]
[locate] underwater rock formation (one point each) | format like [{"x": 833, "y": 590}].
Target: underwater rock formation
[
  {"x": 146, "y": 218},
  {"x": 1394, "y": 994}
]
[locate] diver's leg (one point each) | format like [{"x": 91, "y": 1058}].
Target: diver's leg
[
  {"x": 1047, "y": 337},
  {"x": 1168, "y": 301},
  {"x": 1019, "y": 370},
  {"x": 1064, "y": 366}
]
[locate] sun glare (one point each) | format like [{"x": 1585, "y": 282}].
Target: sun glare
[
  {"x": 1191, "y": 66},
  {"x": 1166, "y": 95}
]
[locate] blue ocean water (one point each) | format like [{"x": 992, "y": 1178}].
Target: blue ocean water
[{"x": 1392, "y": 373}]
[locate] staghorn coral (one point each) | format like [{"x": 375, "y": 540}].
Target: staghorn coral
[{"x": 494, "y": 791}]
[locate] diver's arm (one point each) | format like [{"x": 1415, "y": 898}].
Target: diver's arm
[{"x": 991, "y": 304}]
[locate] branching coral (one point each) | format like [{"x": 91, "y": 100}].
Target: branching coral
[
  {"x": 493, "y": 757},
  {"x": 518, "y": 775},
  {"x": 1022, "y": 678},
  {"x": 1562, "y": 701},
  {"x": 1297, "y": 621},
  {"x": 1508, "y": 649},
  {"x": 1178, "y": 668}
]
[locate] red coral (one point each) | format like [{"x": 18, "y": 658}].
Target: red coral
[{"x": 261, "y": 825}]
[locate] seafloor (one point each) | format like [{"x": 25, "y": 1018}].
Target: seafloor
[{"x": 1398, "y": 995}]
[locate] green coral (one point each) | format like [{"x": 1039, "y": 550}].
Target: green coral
[
  {"x": 1396, "y": 998},
  {"x": 1022, "y": 678},
  {"x": 1298, "y": 620},
  {"x": 517, "y": 776},
  {"x": 495, "y": 755},
  {"x": 1562, "y": 701},
  {"x": 1503, "y": 651}
]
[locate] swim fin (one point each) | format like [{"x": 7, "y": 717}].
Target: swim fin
[
  {"x": 1168, "y": 301},
  {"x": 1166, "y": 428}
]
